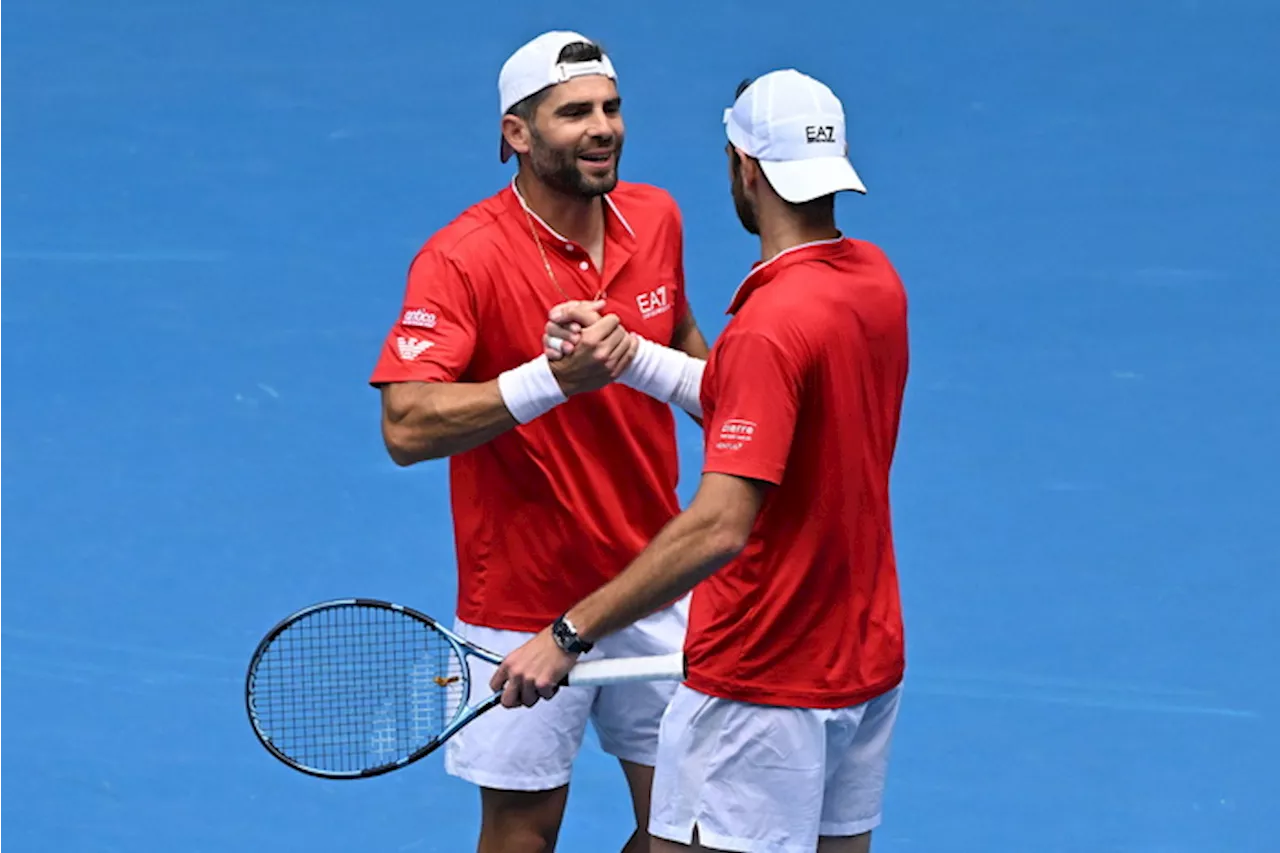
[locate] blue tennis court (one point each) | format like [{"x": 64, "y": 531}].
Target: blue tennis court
[{"x": 209, "y": 208}]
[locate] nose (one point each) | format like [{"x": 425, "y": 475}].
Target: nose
[{"x": 601, "y": 125}]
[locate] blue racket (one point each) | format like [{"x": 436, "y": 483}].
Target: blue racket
[{"x": 356, "y": 687}]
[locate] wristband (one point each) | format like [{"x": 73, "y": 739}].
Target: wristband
[
  {"x": 666, "y": 374},
  {"x": 530, "y": 390},
  {"x": 688, "y": 393}
]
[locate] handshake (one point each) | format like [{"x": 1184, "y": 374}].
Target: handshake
[
  {"x": 583, "y": 351},
  {"x": 587, "y": 351}
]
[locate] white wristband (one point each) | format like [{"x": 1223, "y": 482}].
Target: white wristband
[
  {"x": 666, "y": 374},
  {"x": 688, "y": 393},
  {"x": 530, "y": 390}
]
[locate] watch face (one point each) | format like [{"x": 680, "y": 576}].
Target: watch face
[{"x": 566, "y": 638}]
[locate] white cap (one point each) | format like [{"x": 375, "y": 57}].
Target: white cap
[
  {"x": 534, "y": 67},
  {"x": 794, "y": 125}
]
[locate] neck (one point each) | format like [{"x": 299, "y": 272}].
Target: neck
[
  {"x": 577, "y": 218},
  {"x": 783, "y": 229}
]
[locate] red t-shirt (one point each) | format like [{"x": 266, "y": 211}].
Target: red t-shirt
[
  {"x": 804, "y": 390},
  {"x": 549, "y": 511}
]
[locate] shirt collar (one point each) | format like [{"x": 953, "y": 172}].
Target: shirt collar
[
  {"x": 561, "y": 242},
  {"x": 762, "y": 272}
]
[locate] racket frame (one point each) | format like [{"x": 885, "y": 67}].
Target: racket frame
[
  {"x": 594, "y": 672},
  {"x": 465, "y": 713}
]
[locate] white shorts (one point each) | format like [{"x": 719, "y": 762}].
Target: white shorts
[
  {"x": 761, "y": 778},
  {"x": 533, "y": 749}
]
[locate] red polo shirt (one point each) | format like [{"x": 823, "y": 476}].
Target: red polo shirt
[
  {"x": 547, "y": 512},
  {"x": 803, "y": 390}
]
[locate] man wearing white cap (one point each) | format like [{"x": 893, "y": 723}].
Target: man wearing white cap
[
  {"x": 779, "y": 739},
  {"x": 558, "y": 474}
]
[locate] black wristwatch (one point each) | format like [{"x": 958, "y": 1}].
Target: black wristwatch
[{"x": 566, "y": 637}]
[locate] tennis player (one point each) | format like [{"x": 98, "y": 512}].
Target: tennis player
[
  {"x": 779, "y": 739},
  {"x": 558, "y": 474}
]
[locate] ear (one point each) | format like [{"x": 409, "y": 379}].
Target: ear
[
  {"x": 750, "y": 168},
  {"x": 516, "y": 131}
]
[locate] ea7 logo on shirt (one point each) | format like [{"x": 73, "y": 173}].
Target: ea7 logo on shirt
[
  {"x": 419, "y": 317},
  {"x": 734, "y": 433},
  {"x": 654, "y": 302},
  {"x": 411, "y": 348},
  {"x": 820, "y": 133}
]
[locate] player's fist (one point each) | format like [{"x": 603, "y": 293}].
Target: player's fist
[
  {"x": 601, "y": 353},
  {"x": 532, "y": 672},
  {"x": 564, "y": 326}
]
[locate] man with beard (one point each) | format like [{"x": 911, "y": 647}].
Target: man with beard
[
  {"x": 558, "y": 475},
  {"x": 779, "y": 739}
]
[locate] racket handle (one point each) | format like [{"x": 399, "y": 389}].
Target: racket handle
[{"x": 594, "y": 673}]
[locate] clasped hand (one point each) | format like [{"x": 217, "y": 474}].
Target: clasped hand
[{"x": 586, "y": 351}]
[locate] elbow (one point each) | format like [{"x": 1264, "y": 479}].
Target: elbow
[
  {"x": 404, "y": 447},
  {"x": 727, "y": 539},
  {"x": 723, "y": 515},
  {"x": 402, "y": 456}
]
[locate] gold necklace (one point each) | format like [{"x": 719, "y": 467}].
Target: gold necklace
[{"x": 546, "y": 264}]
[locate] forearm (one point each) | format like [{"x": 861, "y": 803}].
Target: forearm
[
  {"x": 432, "y": 420},
  {"x": 435, "y": 420},
  {"x": 689, "y": 549}
]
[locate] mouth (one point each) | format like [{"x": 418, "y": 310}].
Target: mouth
[{"x": 599, "y": 158}]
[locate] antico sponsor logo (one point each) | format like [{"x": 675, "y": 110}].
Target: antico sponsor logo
[{"x": 419, "y": 317}]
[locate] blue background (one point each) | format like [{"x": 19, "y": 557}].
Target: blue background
[{"x": 209, "y": 209}]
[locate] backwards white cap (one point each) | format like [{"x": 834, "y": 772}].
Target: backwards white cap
[
  {"x": 794, "y": 125},
  {"x": 535, "y": 66}
]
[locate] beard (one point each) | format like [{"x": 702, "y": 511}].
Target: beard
[
  {"x": 559, "y": 169},
  {"x": 742, "y": 204}
]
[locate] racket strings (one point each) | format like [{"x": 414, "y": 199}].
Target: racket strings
[{"x": 347, "y": 689}]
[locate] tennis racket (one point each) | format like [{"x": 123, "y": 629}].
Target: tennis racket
[{"x": 354, "y": 688}]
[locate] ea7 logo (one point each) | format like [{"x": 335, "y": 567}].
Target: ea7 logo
[
  {"x": 654, "y": 302},
  {"x": 820, "y": 133},
  {"x": 411, "y": 348}
]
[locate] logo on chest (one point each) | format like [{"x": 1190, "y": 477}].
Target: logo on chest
[{"x": 654, "y": 302}]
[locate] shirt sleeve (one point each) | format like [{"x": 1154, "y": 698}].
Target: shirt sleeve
[
  {"x": 435, "y": 334},
  {"x": 757, "y": 398}
]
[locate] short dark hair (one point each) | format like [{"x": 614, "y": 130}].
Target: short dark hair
[
  {"x": 728, "y": 146},
  {"x": 578, "y": 51},
  {"x": 742, "y": 87}
]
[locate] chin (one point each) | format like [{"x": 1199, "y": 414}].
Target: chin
[{"x": 599, "y": 184}]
